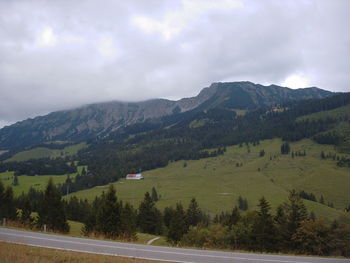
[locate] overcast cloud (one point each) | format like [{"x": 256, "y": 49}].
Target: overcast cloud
[{"x": 61, "y": 54}]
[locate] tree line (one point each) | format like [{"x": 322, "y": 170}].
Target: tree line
[
  {"x": 42, "y": 166},
  {"x": 290, "y": 228}
]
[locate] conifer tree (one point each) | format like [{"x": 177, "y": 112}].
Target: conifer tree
[
  {"x": 51, "y": 210},
  {"x": 15, "y": 180},
  {"x": 295, "y": 213},
  {"x": 2, "y": 201},
  {"x": 90, "y": 218},
  {"x": 108, "y": 219},
  {"x": 280, "y": 220},
  {"x": 128, "y": 222},
  {"x": 177, "y": 226},
  {"x": 154, "y": 194},
  {"x": 168, "y": 215},
  {"x": 149, "y": 218},
  {"x": 7, "y": 204},
  {"x": 83, "y": 171},
  {"x": 23, "y": 203},
  {"x": 312, "y": 216},
  {"x": 285, "y": 148},
  {"x": 263, "y": 228},
  {"x": 193, "y": 214},
  {"x": 235, "y": 216},
  {"x": 322, "y": 199},
  {"x": 240, "y": 203}
]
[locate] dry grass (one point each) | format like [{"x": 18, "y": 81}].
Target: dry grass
[{"x": 14, "y": 253}]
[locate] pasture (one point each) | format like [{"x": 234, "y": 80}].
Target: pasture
[{"x": 217, "y": 182}]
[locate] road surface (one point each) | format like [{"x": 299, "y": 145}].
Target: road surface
[{"x": 148, "y": 252}]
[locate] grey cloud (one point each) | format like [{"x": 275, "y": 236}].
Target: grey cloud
[{"x": 92, "y": 52}]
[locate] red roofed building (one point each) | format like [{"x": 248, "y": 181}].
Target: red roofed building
[{"x": 134, "y": 176}]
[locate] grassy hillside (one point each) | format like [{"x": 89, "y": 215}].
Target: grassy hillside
[
  {"x": 342, "y": 129},
  {"x": 335, "y": 113},
  {"x": 37, "y": 182},
  {"x": 42, "y": 152},
  {"x": 217, "y": 182}
]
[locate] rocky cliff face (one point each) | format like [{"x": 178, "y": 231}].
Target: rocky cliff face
[{"x": 100, "y": 119}]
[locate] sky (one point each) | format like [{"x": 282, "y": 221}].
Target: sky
[{"x": 57, "y": 55}]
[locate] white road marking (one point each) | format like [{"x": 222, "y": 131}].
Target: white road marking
[{"x": 146, "y": 250}]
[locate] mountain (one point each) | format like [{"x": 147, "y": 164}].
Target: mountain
[
  {"x": 247, "y": 95},
  {"x": 100, "y": 119}
]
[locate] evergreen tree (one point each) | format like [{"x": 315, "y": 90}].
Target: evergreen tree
[
  {"x": 177, "y": 226},
  {"x": 168, "y": 215},
  {"x": 285, "y": 148},
  {"x": 234, "y": 217},
  {"x": 2, "y": 201},
  {"x": 24, "y": 204},
  {"x": 242, "y": 203},
  {"x": 128, "y": 219},
  {"x": 149, "y": 218},
  {"x": 322, "y": 199},
  {"x": 312, "y": 216},
  {"x": 154, "y": 194},
  {"x": 280, "y": 220},
  {"x": 51, "y": 210},
  {"x": 295, "y": 213},
  {"x": 7, "y": 203},
  {"x": 193, "y": 214},
  {"x": 263, "y": 228},
  {"x": 108, "y": 219},
  {"x": 83, "y": 171},
  {"x": 15, "y": 180},
  {"x": 90, "y": 217}
]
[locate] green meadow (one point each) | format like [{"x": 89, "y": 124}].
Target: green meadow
[
  {"x": 37, "y": 182},
  {"x": 42, "y": 152},
  {"x": 335, "y": 113},
  {"x": 217, "y": 182}
]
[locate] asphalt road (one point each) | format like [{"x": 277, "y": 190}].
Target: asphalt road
[{"x": 148, "y": 252}]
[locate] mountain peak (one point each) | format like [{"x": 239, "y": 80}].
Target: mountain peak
[{"x": 100, "y": 119}]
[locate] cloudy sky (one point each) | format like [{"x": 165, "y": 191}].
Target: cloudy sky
[{"x": 61, "y": 54}]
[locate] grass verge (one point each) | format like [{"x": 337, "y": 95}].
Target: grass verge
[{"x": 15, "y": 253}]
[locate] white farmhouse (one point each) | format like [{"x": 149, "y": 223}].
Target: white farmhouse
[{"x": 134, "y": 176}]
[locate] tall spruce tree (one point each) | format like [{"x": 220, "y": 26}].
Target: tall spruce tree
[
  {"x": 149, "y": 218},
  {"x": 154, "y": 194},
  {"x": 108, "y": 219},
  {"x": 193, "y": 214},
  {"x": 51, "y": 211},
  {"x": 280, "y": 220},
  {"x": 7, "y": 204},
  {"x": 168, "y": 214},
  {"x": 90, "y": 218},
  {"x": 263, "y": 228},
  {"x": 129, "y": 222},
  {"x": 2, "y": 201},
  {"x": 177, "y": 226},
  {"x": 295, "y": 211},
  {"x": 285, "y": 148}
]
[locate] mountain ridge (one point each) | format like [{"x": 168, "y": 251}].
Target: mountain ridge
[{"x": 99, "y": 119}]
